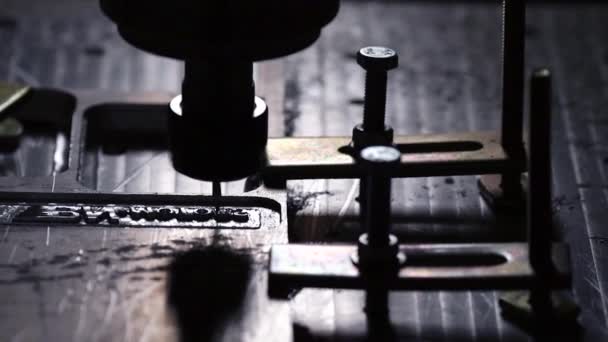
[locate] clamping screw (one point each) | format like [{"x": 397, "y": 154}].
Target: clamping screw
[
  {"x": 378, "y": 256},
  {"x": 377, "y": 61},
  {"x": 377, "y": 163},
  {"x": 378, "y": 246}
]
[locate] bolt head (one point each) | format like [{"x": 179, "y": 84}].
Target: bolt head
[
  {"x": 377, "y": 58},
  {"x": 380, "y": 154},
  {"x": 380, "y": 158}
]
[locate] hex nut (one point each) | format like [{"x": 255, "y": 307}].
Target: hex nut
[
  {"x": 379, "y": 160},
  {"x": 387, "y": 258},
  {"x": 363, "y": 138}
]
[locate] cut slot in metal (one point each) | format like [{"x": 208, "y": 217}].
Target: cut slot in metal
[
  {"x": 440, "y": 147},
  {"x": 440, "y": 258},
  {"x": 446, "y": 267},
  {"x": 429, "y": 155}
]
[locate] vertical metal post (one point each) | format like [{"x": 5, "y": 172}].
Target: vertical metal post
[
  {"x": 514, "y": 22},
  {"x": 374, "y": 110},
  {"x": 378, "y": 209},
  {"x": 539, "y": 199},
  {"x": 377, "y": 61},
  {"x": 377, "y": 163},
  {"x": 378, "y": 252},
  {"x": 363, "y": 186},
  {"x": 539, "y": 194},
  {"x": 379, "y": 325},
  {"x": 378, "y": 256}
]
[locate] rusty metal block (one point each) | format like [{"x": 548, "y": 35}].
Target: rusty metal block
[
  {"x": 473, "y": 153},
  {"x": 430, "y": 267}
]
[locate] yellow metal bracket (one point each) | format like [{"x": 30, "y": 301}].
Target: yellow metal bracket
[{"x": 10, "y": 94}]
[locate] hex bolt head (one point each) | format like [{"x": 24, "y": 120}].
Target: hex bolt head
[
  {"x": 379, "y": 159},
  {"x": 377, "y": 58}
]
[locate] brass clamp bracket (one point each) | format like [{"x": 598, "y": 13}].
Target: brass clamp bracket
[
  {"x": 499, "y": 157},
  {"x": 378, "y": 263}
]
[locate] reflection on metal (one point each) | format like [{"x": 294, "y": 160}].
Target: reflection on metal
[
  {"x": 62, "y": 151},
  {"x": 133, "y": 216},
  {"x": 11, "y": 94},
  {"x": 472, "y": 153},
  {"x": 562, "y": 310},
  {"x": 10, "y": 129},
  {"x": 428, "y": 267}
]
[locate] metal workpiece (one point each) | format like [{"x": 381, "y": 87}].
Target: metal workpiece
[
  {"x": 61, "y": 199},
  {"x": 136, "y": 214},
  {"x": 74, "y": 216}
]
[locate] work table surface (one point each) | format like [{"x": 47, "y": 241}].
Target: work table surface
[{"x": 105, "y": 284}]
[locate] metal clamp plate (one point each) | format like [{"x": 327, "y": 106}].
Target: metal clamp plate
[
  {"x": 500, "y": 266},
  {"x": 472, "y": 153}
]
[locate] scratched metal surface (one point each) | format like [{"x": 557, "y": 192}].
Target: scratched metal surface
[
  {"x": 447, "y": 82},
  {"x": 90, "y": 284}
]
